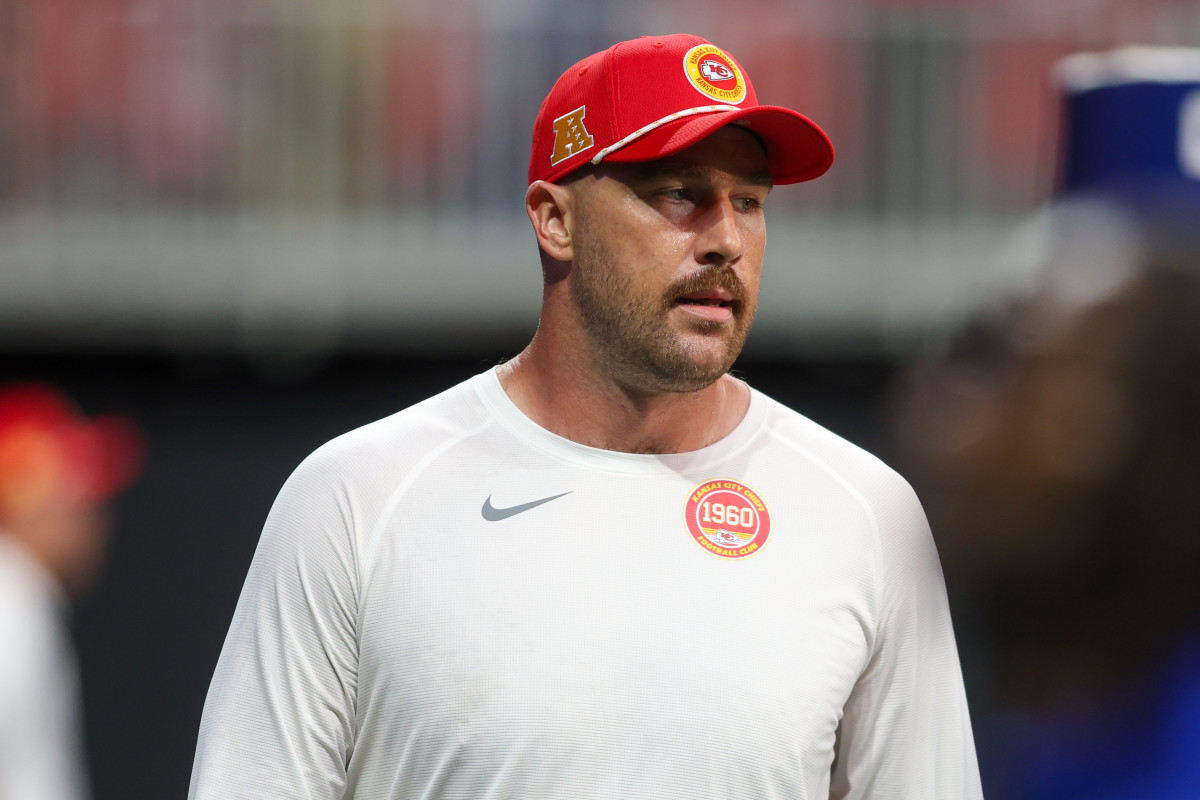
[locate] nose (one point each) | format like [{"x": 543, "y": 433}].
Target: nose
[{"x": 718, "y": 234}]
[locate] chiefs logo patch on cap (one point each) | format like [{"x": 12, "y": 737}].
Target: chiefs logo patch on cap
[
  {"x": 714, "y": 74},
  {"x": 727, "y": 518}
]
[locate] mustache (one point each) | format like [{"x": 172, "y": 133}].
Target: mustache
[{"x": 714, "y": 277}]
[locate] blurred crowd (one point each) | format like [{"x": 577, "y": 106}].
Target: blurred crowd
[{"x": 330, "y": 104}]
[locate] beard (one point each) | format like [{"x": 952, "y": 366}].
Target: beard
[{"x": 632, "y": 330}]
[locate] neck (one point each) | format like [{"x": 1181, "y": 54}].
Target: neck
[{"x": 578, "y": 401}]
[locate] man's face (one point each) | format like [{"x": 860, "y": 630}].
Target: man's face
[{"x": 667, "y": 261}]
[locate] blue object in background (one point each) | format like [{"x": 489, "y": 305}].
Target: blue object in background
[
  {"x": 1128, "y": 133},
  {"x": 1132, "y": 133},
  {"x": 1145, "y": 746}
]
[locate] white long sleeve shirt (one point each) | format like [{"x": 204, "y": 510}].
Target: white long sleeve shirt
[
  {"x": 453, "y": 602},
  {"x": 41, "y": 754}
]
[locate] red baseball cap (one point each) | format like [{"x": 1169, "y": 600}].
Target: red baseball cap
[
  {"x": 647, "y": 98},
  {"x": 49, "y": 452}
]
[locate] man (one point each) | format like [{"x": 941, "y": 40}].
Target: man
[
  {"x": 56, "y": 472},
  {"x": 606, "y": 569}
]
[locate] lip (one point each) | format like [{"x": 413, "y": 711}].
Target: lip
[
  {"x": 705, "y": 311},
  {"x": 716, "y": 293}
]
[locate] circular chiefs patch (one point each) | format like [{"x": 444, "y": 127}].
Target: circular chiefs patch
[
  {"x": 714, "y": 74},
  {"x": 727, "y": 518}
]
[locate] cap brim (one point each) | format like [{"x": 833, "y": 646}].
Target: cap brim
[{"x": 797, "y": 149}]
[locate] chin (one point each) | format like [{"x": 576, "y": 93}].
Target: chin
[{"x": 692, "y": 371}]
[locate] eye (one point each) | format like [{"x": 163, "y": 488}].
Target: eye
[
  {"x": 747, "y": 203},
  {"x": 678, "y": 193}
]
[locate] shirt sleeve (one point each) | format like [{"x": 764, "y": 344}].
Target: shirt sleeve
[
  {"x": 905, "y": 730},
  {"x": 41, "y": 756},
  {"x": 279, "y": 718}
]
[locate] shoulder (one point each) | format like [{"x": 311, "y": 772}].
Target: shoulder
[
  {"x": 380, "y": 451},
  {"x": 334, "y": 499},
  {"x": 889, "y": 514},
  {"x": 856, "y": 470},
  {"x": 27, "y": 592},
  {"x": 343, "y": 487}
]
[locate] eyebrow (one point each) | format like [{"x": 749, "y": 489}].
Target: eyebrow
[{"x": 667, "y": 167}]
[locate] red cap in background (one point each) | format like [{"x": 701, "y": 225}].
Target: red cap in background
[{"x": 51, "y": 453}]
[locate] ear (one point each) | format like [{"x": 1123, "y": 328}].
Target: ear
[{"x": 549, "y": 208}]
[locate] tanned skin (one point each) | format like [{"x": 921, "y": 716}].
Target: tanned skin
[{"x": 651, "y": 278}]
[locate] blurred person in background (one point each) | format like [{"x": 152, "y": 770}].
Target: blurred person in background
[
  {"x": 57, "y": 471},
  {"x": 1059, "y": 460},
  {"x": 1056, "y": 446}
]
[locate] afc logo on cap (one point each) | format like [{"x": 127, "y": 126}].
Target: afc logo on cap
[{"x": 570, "y": 136}]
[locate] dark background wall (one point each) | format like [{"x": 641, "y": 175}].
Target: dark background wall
[{"x": 223, "y": 433}]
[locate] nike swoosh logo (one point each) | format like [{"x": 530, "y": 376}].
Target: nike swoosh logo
[{"x": 493, "y": 514}]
